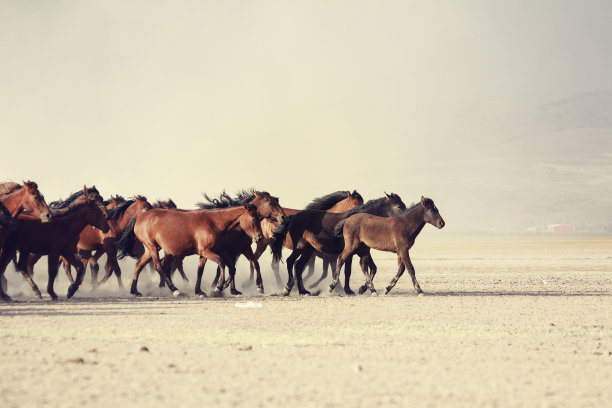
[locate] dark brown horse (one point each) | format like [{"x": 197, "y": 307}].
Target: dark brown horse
[
  {"x": 59, "y": 208},
  {"x": 393, "y": 234},
  {"x": 314, "y": 230},
  {"x": 56, "y": 238},
  {"x": 6, "y": 220},
  {"x": 182, "y": 233}
]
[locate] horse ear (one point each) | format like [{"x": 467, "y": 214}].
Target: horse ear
[
  {"x": 348, "y": 193},
  {"x": 388, "y": 196},
  {"x": 422, "y": 200},
  {"x": 257, "y": 195}
]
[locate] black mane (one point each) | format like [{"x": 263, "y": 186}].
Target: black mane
[
  {"x": 327, "y": 201},
  {"x": 56, "y": 205},
  {"x": 4, "y": 210},
  {"x": 225, "y": 201},
  {"x": 118, "y": 211},
  {"x": 371, "y": 206}
]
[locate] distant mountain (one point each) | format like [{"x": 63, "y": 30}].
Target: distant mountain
[{"x": 549, "y": 164}]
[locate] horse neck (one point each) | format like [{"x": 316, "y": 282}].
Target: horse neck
[
  {"x": 14, "y": 201},
  {"x": 74, "y": 222},
  {"x": 231, "y": 221},
  {"x": 413, "y": 221}
]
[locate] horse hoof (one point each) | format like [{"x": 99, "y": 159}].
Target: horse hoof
[
  {"x": 331, "y": 288},
  {"x": 305, "y": 293},
  {"x": 349, "y": 292},
  {"x": 136, "y": 294},
  {"x": 362, "y": 289},
  {"x": 421, "y": 294},
  {"x": 218, "y": 293},
  {"x": 374, "y": 293},
  {"x": 7, "y": 298},
  {"x": 202, "y": 295},
  {"x": 71, "y": 291},
  {"x": 176, "y": 293},
  {"x": 260, "y": 290},
  {"x": 235, "y": 292},
  {"x": 387, "y": 290}
]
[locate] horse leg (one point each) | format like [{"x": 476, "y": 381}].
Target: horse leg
[
  {"x": 162, "y": 270},
  {"x": 198, "y": 284},
  {"x": 144, "y": 259},
  {"x": 67, "y": 268},
  {"x": 95, "y": 267},
  {"x": 248, "y": 254},
  {"x": 32, "y": 259},
  {"x": 307, "y": 253},
  {"x": 53, "y": 266},
  {"x": 232, "y": 273},
  {"x": 216, "y": 280},
  {"x": 74, "y": 261},
  {"x": 404, "y": 258},
  {"x": 276, "y": 270},
  {"x": 311, "y": 267},
  {"x": 22, "y": 267},
  {"x": 5, "y": 258},
  {"x": 326, "y": 264},
  {"x": 178, "y": 264},
  {"x": 290, "y": 261},
  {"x": 219, "y": 261}
]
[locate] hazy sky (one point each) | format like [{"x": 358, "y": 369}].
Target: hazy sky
[{"x": 300, "y": 98}]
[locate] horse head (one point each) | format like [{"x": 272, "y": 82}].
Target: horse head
[
  {"x": 431, "y": 213},
  {"x": 34, "y": 201}
]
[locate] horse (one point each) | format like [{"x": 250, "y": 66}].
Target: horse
[
  {"x": 313, "y": 229},
  {"x": 17, "y": 198},
  {"x": 93, "y": 239},
  {"x": 392, "y": 234},
  {"x": 56, "y": 238},
  {"x": 60, "y": 207},
  {"x": 182, "y": 233}
]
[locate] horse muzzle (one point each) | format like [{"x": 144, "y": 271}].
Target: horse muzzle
[
  {"x": 440, "y": 224},
  {"x": 46, "y": 217}
]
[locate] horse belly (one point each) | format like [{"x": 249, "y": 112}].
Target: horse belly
[{"x": 377, "y": 237}]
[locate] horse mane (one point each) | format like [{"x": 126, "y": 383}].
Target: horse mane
[
  {"x": 327, "y": 201},
  {"x": 226, "y": 201},
  {"x": 71, "y": 209},
  {"x": 117, "y": 198},
  {"x": 161, "y": 204},
  {"x": 118, "y": 211},
  {"x": 8, "y": 187},
  {"x": 59, "y": 204},
  {"x": 357, "y": 195},
  {"x": 366, "y": 207}
]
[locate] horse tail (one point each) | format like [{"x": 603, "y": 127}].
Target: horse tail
[
  {"x": 338, "y": 229},
  {"x": 126, "y": 242},
  {"x": 278, "y": 238}
]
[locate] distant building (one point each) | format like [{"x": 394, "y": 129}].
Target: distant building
[{"x": 560, "y": 228}]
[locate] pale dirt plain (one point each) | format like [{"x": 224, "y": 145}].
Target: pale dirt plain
[{"x": 506, "y": 322}]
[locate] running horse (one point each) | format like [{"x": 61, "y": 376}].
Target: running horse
[
  {"x": 312, "y": 230},
  {"x": 17, "y": 198},
  {"x": 196, "y": 232},
  {"x": 393, "y": 234},
  {"x": 56, "y": 238},
  {"x": 93, "y": 239}
]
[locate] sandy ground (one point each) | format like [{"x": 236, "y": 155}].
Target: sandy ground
[{"x": 506, "y": 322}]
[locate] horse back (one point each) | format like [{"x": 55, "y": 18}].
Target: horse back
[{"x": 375, "y": 232}]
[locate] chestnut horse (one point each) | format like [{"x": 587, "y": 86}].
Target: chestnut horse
[
  {"x": 393, "y": 234},
  {"x": 92, "y": 239},
  {"x": 17, "y": 198},
  {"x": 56, "y": 238},
  {"x": 182, "y": 233},
  {"x": 313, "y": 229}
]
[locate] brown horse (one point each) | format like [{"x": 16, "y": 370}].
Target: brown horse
[
  {"x": 93, "y": 239},
  {"x": 393, "y": 234},
  {"x": 182, "y": 233},
  {"x": 6, "y": 221},
  {"x": 313, "y": 229},
  {"x": 17, "y": 198},
  {"x": 56, "y": 238}
]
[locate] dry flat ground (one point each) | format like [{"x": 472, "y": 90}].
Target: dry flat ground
[{"x": 506, "y": 322}]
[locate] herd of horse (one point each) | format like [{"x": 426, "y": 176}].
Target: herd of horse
[{"x": 77, "y": 231}]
